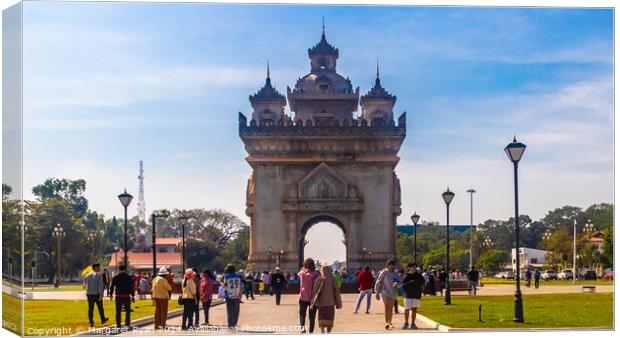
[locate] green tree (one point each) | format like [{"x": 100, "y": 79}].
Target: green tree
[
  {"x": 493, "y": 260},
  {"x": 66, "y": 189}
]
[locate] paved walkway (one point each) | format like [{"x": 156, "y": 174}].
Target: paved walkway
[{"x": 263, "y": 316}]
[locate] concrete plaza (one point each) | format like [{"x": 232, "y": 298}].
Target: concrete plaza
[{"x": 261, "y": 315}]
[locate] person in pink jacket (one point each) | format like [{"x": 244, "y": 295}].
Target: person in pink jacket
[
  {"x": 206, "y": 293},
  {"x": 307, "y": 277}
]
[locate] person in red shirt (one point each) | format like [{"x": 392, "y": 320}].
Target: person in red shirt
[
  {"x": 366, "y": 283},
  {"x": 206, "y": 293}
]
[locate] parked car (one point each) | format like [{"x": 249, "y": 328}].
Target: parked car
[
  {"x": 587, "y": 275},
  {"x": 565, "y": 274},
  {"x": 549, "y": 275},
  {"x": 608, "y": 274},
  {"x": 508, "y": 274}
]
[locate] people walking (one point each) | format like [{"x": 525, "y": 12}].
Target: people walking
[
  {"x": 93, "y": 283},
  {"x": 338, "y": 278},
  {"x": 278, "y": 284},
  {"x": 326, "y": 298},
  {"x": 161, "y": 290},
  {"x": 266, "y": 282},
  {"x": 384, "y": 288},
  {"x": 249, "y": 285},
  {"x": 365, "y": 282},
  {"x": 206, "y": 294},
  {"x": 307, "y": 278},
  {"x": 473, "y": 276},
  {"x": 413, "y": 282},
  {"x": 196, "y": 278},
  {"x": 536, "y": 278},
  {"x": 188, "y": 299},
  {"x": 232, "y": 295},
  {"x": 528, "y": 278},
  {"x": 122, "y": 284},
  {"x": 106, "y": 281}
]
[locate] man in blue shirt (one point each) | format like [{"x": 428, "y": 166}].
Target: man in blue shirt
[{"x": 232, "y": 294}]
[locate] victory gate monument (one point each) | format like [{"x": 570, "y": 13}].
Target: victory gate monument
[{"x": 322, "y": 164}]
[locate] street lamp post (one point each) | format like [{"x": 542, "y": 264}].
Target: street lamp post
[
  {"x": 183, "y": 221},
  {"x": 471, "y": 227},
  {"x": 58, "y": 233},
  {"x": 154, "y": 216},
  {"x": 574, "y": 250},
  {"x": 125, "y": 200},
  {"x": 415, "y": 218},
  {"x": 280, "y": 253},
  {"x": 515, "y": 151},
  {"x": 269, "y": 259},
  {"x": 447, "y": 198}
]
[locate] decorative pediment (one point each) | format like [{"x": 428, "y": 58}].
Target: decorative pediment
[{"x": 323, "y": 183}]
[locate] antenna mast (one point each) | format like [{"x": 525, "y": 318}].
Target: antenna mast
[{"x": 141, "y": 205}]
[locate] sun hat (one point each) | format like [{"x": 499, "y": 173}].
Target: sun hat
[{"x": 163, "y": 271}]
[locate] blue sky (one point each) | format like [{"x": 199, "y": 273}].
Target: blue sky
[{"x": 108, "y": 84}]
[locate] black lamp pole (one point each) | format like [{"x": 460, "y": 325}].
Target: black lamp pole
[
  {"x": 415, "y": 218},
  {"x": 183, "y": 221},
  {"x": 163, "y": 214},
  {"x": 515, "y": 150},
  {"x": 125, "y": 199},
  {"x": 447, "y": 197}
]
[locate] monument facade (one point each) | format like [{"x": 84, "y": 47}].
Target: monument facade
[{"x": 322, "y": 163}]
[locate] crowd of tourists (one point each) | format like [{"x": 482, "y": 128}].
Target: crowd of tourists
[{"x": 319, "y": 292}]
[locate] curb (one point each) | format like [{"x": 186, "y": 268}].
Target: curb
[
  {"x": 433, "y": 324},
  {"x": 144, "y": 321}
]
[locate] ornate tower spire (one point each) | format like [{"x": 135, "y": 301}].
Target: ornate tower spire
[{"x": 323, "y": 34}]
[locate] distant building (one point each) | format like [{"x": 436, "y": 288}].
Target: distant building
[
  {"x": 529, "y": 258},
  {"x": 141, "y": 257}
]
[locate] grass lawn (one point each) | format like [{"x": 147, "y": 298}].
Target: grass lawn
[
  {"x": 67, "y": 317},
  {"x": 540, "y": 311},
  {"x": 490, "y": 281}
]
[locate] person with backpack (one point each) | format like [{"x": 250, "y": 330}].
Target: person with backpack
[
  {"x": 232, "y": 294},
  {"x": 384, "y": 289},
  {"x": 413, "y": 283}
]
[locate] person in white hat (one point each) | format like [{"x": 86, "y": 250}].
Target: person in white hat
[{"x": 160, "y": 290}]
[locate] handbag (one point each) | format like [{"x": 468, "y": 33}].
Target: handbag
[{"x": 181, "y": 300}]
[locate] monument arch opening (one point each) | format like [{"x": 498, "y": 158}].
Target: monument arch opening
[{"x": 323, "y": 238}]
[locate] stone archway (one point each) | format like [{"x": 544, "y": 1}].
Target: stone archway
[{"x": 309, "y": 224}]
